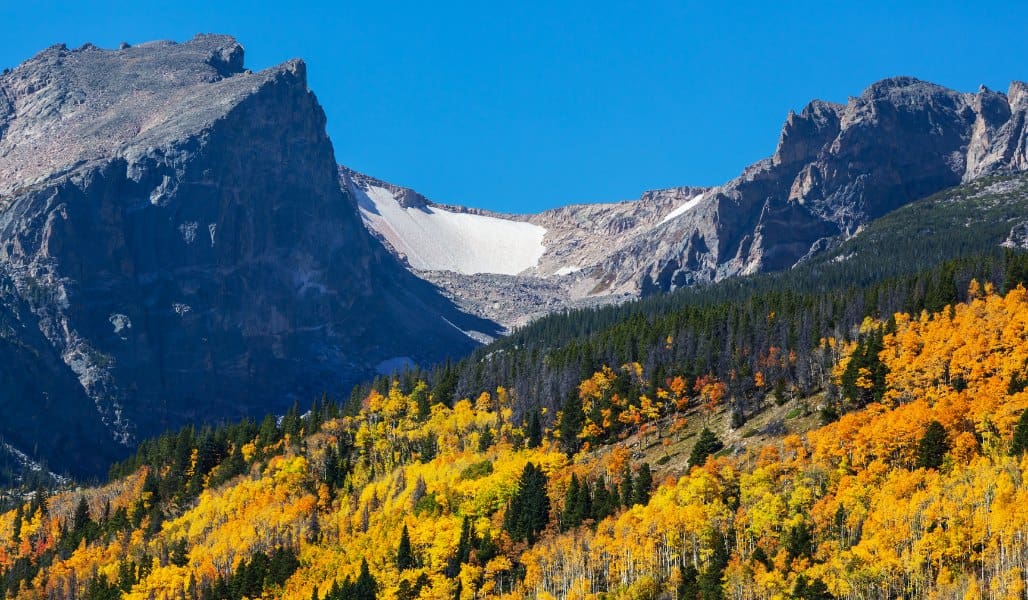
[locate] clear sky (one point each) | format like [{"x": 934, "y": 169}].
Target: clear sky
[{"x": 526, "y": 105}]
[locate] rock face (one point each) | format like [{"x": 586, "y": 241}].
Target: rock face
[
  {"x": 835, "y": 168},
  {"x": 174, "y": 246}
]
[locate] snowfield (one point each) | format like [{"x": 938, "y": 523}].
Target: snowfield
[
  {"x": 434, "y": 239},
  {"x": 681, "y": 210}
]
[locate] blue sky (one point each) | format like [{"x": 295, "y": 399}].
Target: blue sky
[{"x": 526, "y": 105}]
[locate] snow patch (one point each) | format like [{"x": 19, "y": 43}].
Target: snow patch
[
  {"x": 434, "y": 239},
  {"x": 120, "y": 322},
  {"x": 32, "y": 465},
  {"x": 566, "y": 271},
  {"x": 681, "y": 210},
  {"x": 188, "y": 231}
]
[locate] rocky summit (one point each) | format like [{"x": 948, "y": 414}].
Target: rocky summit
[
  {"x": 175, "y": 247},
  {"x": 836, "y": 167}
]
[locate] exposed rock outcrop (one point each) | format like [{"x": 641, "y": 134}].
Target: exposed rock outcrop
[
  {"x": 836, "y": 167},
  {"x": 177, "y": 247}
]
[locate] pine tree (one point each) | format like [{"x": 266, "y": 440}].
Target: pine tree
[
  {"x": 535, "y": 430},
  {"x": 404, "y": 553},
  {"x": 1019, "y": 444},
  {"x": 707, "y": 444},
  {"x": 709, "y": 581},
  {"x": 627, "y": 489},
  {"x": 932, "y": 448},
  {"x": 571, "y": 421},
  {"x": 81, "y": 518},
  {"x": 811, "y": 589},
  {"x": 643, "y": 484},
  {"x": 577, "y": 504},
  {"x": 603, "y": 505},
  {"x": 688, "y": 587},
  {"x": 365, "y": 588},
  {"x": 529, "y": 509}
]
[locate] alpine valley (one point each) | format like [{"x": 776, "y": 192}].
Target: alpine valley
[{"x": 232, "y": 368}]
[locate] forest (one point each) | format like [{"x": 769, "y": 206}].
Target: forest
[
  {"x": 850, "y": 429},
  {"x": 910, "y": 484}
]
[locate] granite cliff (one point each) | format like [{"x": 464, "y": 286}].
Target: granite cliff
[{"x": 175, "y": 247}]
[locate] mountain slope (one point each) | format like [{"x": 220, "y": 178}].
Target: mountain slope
[
  {"x": 918, "y": 493},
  {"x": 836, "y": 168},
  {"x": 178, "y": 245}
]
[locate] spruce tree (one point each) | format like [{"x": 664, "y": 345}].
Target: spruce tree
[
  {"x": 643, "y": 484},
  {"x": 627, "y": 489},
  {"x": 529, "y": 509},
  {"x": 933, "y": 446},
  {"x": 571, "y": 517},
  {"x": 602, "y": 505},
  {"x": 535, "y": 430},
  {"x": 705, "y": 446},
  {"x": 709, "y": 581},
  {"x": 365, "y": 588},
  {"x": 688, "y": 586},
  {"x": 81, "y": 517},
  {"x": 1019, "y": 444},
  {"x": 571, "y": 421},
  {"x": 404, "y": 553}
]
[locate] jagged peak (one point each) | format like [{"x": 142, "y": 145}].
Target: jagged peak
[
  {"x": 407, "y": 197},
  {"x": 889, "y": 84},
  {"x": 1018, "y": 95}
]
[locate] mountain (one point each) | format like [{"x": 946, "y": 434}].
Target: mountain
[
  {"x": 836, "y": 168},
  {"x": 934, "y": 248},
  {"x": 174, "y": 247},
  {"x": 908, "y": 485}
]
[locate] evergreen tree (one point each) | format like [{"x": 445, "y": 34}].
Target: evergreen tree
[
  {"x": 603, "y": 503},
  {"x": 643, "y": 484},
  {"x": 933, "y": 446},
  {"x": 627, "y": 489},
  {"x": 1019, "y": 444},
  {"x": 529, "y": 509},
  {"x": 81, "y": 518},
  {"x": 577, "y": 504},
  {"x": 798, "y": 541},
  {"x": 688, "y": 586},
  {"x": 709, "y": 581},
  {"x": 811, "y": 589},
  {"x": 571, "y": 421},
  {"x": 365, "y": 588},
  {"x": 422, "y": 401},
  {"x": 707, "y": 444},
  {"x": 535, "y": 430},
  {"x": 404, "y": 553}
]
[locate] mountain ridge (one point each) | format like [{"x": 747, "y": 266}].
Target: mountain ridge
[
  {"x": 173, "y": 228},
  {"x": 835, "y": 168}
]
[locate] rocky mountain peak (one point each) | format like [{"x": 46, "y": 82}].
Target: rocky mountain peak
[
  {"x": 175, "y": 246},
  {"x": 1017, "y": 95}
]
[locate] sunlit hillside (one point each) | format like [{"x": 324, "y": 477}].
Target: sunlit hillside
[{"x": 917, "y": 490}]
